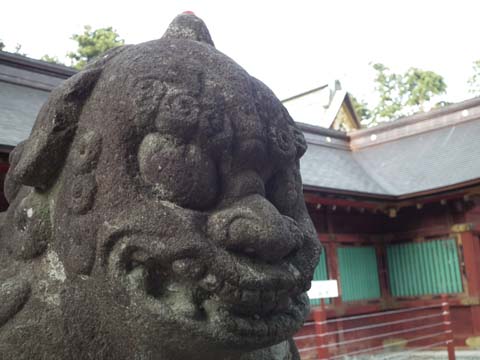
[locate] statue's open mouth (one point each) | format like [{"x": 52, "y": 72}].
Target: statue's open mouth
[
  {"x": 248, "y": 297},
  {"x": 197, "y": 281},
  {"x": 250, "y": 287}
]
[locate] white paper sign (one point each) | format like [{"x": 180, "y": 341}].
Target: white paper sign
[{"x": 323, "y": 289}]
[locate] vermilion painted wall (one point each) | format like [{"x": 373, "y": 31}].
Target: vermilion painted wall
[{"x": 337, "y": 225}]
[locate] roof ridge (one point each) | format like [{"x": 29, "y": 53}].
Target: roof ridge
[
  {"x": 415, "y": 118},
  {"x": 305, "y": 93}
]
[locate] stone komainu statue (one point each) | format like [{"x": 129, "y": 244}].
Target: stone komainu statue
[{"x": 156, "y": 212}]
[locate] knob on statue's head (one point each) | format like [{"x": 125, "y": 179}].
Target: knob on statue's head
[{"x": 156, "y": 212}]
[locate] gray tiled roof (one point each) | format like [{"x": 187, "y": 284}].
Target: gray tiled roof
[
  {"x": 430, "y": 160},
  {"x": 421, "y": 162},
  {"x": 444, "y": 155},
  {"x": 28, "y": 78},
  {"x": 19, "y": 106},
  {"x": 333, "y": 168},
  {"x": 21, "y": 70},
  {"x": 24, "y": 86}
]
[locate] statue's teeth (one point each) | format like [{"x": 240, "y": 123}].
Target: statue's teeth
[
  {"x": 210, "y": 283},
  {"x": 174, "y": 287},
  {"x": 137, "y": 278},
  {"x": 190, "y": 268}
]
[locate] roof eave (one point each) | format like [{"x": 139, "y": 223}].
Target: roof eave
[
  {"x": 34, "y": 65},
  {"x": 463, "y": 186},
  {"x": 318, "y": 130}
]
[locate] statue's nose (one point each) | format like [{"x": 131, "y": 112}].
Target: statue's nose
[{"x": 253, "y": 226}]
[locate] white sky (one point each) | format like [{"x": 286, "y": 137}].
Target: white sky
[{"x": 292, "y": 46}]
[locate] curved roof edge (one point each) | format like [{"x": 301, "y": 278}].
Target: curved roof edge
[
  {"x": 34, "y": 65},
  {"x": 317, "y": 130}
]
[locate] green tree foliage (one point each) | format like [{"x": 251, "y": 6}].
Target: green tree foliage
[
  {"x": 474, "y": 81},
  {"x": 52, "y": 59},
  {"x": 420, "y": 86},
  {"x": 93, "y": 43},
  {"x": 401, "y": 94},
  {"x": 387, "y": 86},
  {"x": 361, "y": 108}
]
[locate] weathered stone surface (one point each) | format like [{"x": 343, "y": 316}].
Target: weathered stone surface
[{"x": 157, "y": 213}]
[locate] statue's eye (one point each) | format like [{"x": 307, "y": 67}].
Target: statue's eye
[
  {"x": 178, "y": 172},
  {"x": 300, "y": 142},
  {"x": 281, "y": 143}
]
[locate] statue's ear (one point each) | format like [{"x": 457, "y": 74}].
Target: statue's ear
[{"x": 44, "y": 152}]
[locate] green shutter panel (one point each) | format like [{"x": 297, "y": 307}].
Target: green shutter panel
[
  {"x": 358, "y": 273},
  {"x": 426, "y": 268}
]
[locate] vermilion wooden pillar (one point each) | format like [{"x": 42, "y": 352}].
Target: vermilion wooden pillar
[
  {"x": 471, "y": 256},
  {"x": 448, "y": 328},
  {"x": 320, "y": 318}
]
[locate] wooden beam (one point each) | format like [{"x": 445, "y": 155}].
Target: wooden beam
[{"x": 315, "y": 199}]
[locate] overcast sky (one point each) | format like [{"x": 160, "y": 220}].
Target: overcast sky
[{"x": 292, "y": 46}]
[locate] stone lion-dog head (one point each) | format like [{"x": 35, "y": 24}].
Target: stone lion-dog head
[{"x": 157, "y": 213}]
